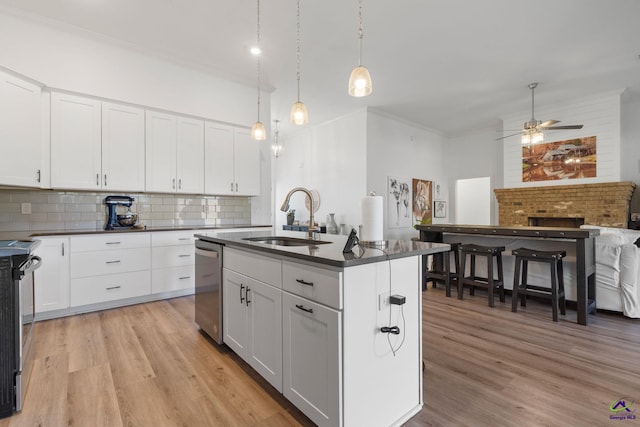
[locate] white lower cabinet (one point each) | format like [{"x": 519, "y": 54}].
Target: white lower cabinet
[
  {"x": 109, "y": 287},
  {"x": 312, "y": 358},
  {"x": 172, "y": 261},
  {"x": 51, "y": 280},
  {"x": 253, "y": 324}
]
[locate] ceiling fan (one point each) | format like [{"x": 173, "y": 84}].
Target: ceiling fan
[{"x": 532, "y": 130}]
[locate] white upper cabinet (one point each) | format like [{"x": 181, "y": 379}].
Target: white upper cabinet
[
  {"x": 75, "y": 142},
  {"x": 190, "y": 156},
  {"x": 122, "y": 147},
  {"x": 232, "y": 161},
  {"x": 174, "y": 154},
  {"x": 20, "y": 132},
  {"x": 96, "y": 145}
]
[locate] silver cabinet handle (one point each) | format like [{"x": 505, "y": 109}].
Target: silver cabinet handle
[
  {"x": 113, "y": 287},
  {"x": 39, "y": 176},
  {"x": 232, "y": 186},
  {"x": 184, "y": 238},
  {"x": 112, "y": 243},
  {"x": 173, "y": 183},
  {"x": 184, "y": 255},
  {"x": 105, "y": 179},
  {"x": 63, "y": 249},
  {"x": 180, "y": 184},
  {"x": 97, "y": 180},
  {"x": 236, "y": 187},
  {"x": 113, "y": 262},
  {"x": 184, "y": 277}
]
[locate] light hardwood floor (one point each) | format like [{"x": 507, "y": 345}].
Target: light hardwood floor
[{"x": 148, "y": 365}]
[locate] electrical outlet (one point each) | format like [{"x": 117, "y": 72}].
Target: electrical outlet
[
  {"x": 383, "y": 300},
  {"x": 25, "y": 208}
]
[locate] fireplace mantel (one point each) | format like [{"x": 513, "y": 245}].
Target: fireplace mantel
[{"x": 604, "y": 204}]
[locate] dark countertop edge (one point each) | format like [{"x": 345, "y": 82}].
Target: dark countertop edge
[
  {"x": 522, "y": 231},
  {"x": 142, "y": 230},
  {"x": 427, "y": 249}
]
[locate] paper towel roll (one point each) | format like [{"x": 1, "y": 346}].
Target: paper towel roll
[{"x": 372, "y": 225}]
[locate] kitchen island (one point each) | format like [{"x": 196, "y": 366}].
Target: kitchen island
[{"x": 340, "y": 335}]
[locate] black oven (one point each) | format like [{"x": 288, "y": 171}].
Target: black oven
[{"x": 17, "y": 316}]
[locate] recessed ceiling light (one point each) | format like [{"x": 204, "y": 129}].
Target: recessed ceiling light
[{"x": 255, "y": 50}]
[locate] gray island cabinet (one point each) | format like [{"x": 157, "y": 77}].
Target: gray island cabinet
[{"x": 309, "y": 318}]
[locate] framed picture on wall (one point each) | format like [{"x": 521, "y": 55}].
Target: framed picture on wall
[{"x": 440, "y": 209}]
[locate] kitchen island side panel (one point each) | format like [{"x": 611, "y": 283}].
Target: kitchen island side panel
[{"x": 380, "y": 388}]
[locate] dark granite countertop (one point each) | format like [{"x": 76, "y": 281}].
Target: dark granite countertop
[
  {"x": 141, "y": 230},
  {"x": 328, "y": 254}
]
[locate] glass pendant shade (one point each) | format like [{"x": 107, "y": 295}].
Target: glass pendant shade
[
  {"x": 360, "y": 82},
  {"x": 532, "y": 137},
  {"x": 258, "y": 132},
  {"x": 299, "y": 114}
]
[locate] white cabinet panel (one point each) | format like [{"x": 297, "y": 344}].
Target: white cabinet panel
[
  {"x": 265, "y": 269},
  {"x": 110, "y": 262},
  {"x": 51, "y": 280},
  {"x": 122, "y": 147},
  {"x": 99, "y": 242},
  {"x": 160, "y": 149},
  {"x": 317, "y": 284},
  {"x": 172, "y": 238},
  {"x": 235, "y": 330},
  {"x": 232, "y": 161},
  {"x": 111, "y": 287},
  {"x": 75, "y": 142},
  {"x": 172, "y": 256},
  {"x": 311, "y": 346},
  {"x": 190, "y": 156},
  {"x": 172, "y": 279},
  {"x": 20, "y": 132}
]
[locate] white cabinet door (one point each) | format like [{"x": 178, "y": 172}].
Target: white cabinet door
[
  {"x": 190, "y": 156},
  {"x": 20, "y": 132},
  {"x": 51, "y": 280},
  {"x": 232, "y": 161},
  {"x": 160, "y": 147},
  {"x": 265, "y": 331},
  {"x": 218, "y": 151},
  {"x": 75, "y": 142},
  {"x": 122, "y": 147},
  {"x": 312, "y": 358},
  {"x": 246, "y": 163},
  {"x": 234, "y": 309}
]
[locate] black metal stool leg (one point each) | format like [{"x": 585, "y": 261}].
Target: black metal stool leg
[{"x": 516, "y": 285}]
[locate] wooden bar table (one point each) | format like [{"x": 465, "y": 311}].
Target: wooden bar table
[{"x": 582, "y": 238}]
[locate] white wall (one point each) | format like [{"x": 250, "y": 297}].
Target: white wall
[
  {"x": 72, "y": 60},
  {"x": 396, "y": 148},
  {"x": 600, "y": 115},
  {"x": 330, "y": 158}
]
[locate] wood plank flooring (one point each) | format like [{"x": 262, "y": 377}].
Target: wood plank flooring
[{"x": 148, "y": 365}]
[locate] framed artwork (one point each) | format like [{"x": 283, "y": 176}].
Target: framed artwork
[
  {"x": 568, "y": 159},
  {"x": 440, "y": 209},
  {"x": 399, "y": 202},
  {"x": 422, "y": 211}
]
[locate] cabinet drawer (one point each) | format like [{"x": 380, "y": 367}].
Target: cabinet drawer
[
  {"x": 84, "y": 264},
  {"x": 265, "y": 269},
  {"x": 173, "y": 279},
  {"x": 317, "y": 284},
  {"x": 93, "y": 290},
  {"x": 168, "y": 238},
  {"x": 110, "y": 241},
  {"x": 172, "y": 256}
]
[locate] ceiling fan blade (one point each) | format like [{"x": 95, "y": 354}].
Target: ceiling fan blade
[
  {"x": 564, "y": 127},
  {"x": 508, "y": 136},
  {"x": 548, "y": 123}
]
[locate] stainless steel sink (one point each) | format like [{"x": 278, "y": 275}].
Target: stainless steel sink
[{"x": 285, "y": 241}]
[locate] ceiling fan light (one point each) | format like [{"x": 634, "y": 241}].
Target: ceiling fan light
[
  {"x": 360, "y": 82},
  {"x": 299, "y": 114},
  {"x": 258, "y": 132},
  {"x": 526, "y": 139},
  {"x": 537, "y": 137}
]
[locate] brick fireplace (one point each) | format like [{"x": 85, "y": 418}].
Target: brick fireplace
[{"x": 605, "y": 204}]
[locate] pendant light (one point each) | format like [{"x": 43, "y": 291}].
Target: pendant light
[
  {"x": 299, "y": 114},
  {"x": 360, "y": 79},
  {"x": 258, "y": 132},
  {"x": 276, "y": 144}
]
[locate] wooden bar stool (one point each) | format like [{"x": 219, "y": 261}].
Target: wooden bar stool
[
  {"x": 488, "y": 282},
  {"x": 442, "y": 270},
  {"x": 522, "y": 288}
]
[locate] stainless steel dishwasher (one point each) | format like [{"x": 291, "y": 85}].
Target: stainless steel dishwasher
[{"x": 209, "y": 288}]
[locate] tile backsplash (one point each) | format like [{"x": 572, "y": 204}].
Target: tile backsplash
[{"x": 69, "y": 211}]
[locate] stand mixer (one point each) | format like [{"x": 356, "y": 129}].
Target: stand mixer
[{"x": 115, "y": 220}]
